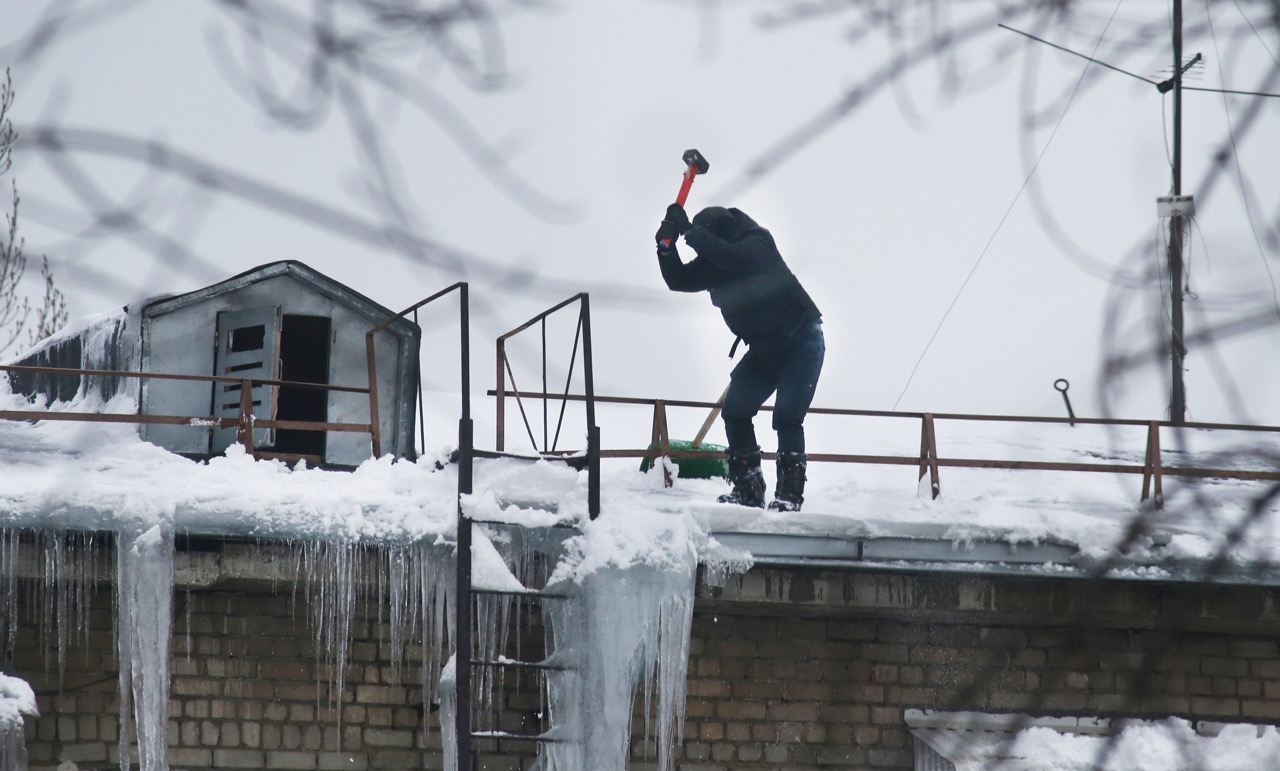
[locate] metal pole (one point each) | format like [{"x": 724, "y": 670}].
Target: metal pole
[
  {"x": 593, "y": 431},
  {"x": 1178, "y": 399},
  {"x": 462, "y": 591}
]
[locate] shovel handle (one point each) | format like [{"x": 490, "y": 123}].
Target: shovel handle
[{"x": 711, "y": 418}]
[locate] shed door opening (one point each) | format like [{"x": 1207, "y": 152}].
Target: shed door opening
[{"x": 304, "y": 358}]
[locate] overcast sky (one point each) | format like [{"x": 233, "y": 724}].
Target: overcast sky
[{"x": 552, "y": 178}]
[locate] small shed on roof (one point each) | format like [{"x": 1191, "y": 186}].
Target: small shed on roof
[{"x": 280, "y": 321}]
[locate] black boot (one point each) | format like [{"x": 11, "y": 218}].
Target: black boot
[
  {"x": 747, "y": 479},
  {"x": 789, "y": 493}
]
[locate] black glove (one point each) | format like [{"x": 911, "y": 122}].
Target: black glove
[
  {"x": 666, "y": 236},
  {"x": 674, "y": 225},
  {"x": 676, "y": 216}
]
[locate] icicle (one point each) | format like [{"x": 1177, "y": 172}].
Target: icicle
[
  {"x": 144, "y": 590},
  {"x": 624, "y": 626},
  {"x": 337, "y": 578},
  {"x": 448, "y": 695},
  {"x": 58, "y": 573}
]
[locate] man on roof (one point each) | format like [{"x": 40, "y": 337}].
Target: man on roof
[{"x": 765, "y": 306}]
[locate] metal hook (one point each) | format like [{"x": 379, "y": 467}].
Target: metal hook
[{"x": 1062, "y": 384}]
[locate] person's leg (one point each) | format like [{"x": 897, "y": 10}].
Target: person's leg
[
  {"x": 797, "y": 382},
  {"x": 796, "y": 387},
  {"x": 752, "y": 382}
]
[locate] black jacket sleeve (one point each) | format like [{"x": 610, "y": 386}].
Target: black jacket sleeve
[{"x": 681, "y": 276}]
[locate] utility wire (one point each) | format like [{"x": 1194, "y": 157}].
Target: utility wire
[
  {"x": 1014, "y": 202},
  {"x": 1235, "y": 156}
]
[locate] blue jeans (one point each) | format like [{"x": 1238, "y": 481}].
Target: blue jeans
[{"x": 791, "y": 368}]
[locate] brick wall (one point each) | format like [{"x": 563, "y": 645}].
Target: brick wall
[
  {"x": 813, "y": 670},
  {"x": 789, "y": 669},
  {"x": 246, "y": 692}
]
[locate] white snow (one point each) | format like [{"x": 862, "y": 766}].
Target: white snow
[
  {"x": 94, "y": 476},
  {"x": 16, "y": 699},
  {"x": 1168, "y": 745},
  {"x": 97, "y": 476}
]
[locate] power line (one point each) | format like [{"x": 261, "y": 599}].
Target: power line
[
  {"x": 1235, "y": 156},
  {"x": 1014, "y": 202}
]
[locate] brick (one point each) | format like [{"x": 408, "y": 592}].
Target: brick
[
  {"x": 793, "y": 711},
  {"x": 341, "y": 761},
  {"x": 90, "y": 752},
  {"x": 741, "y": 710},
  {"x": 225, "y": 758},
  {"x": 291, "y": 759},
  {"x": 284, "y": 670},
  {"x": 388, "y": 737},
  {"x": 381, "y": 694},
  {"x": 185, "y": 756}
]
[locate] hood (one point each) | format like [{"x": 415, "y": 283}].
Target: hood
[{"x": 729, "y": 224}]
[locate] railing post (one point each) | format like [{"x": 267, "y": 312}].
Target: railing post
[
  {"x": 593, "y": 431},
  {"x": 375, "y": 433},
  {"x": 1152, "y": 470},
  {"x": 660, "y": 441},
  {"x": 929, "y": 455},
  {"x": 244, "y": 429},
  {"x": 500, "y": 390},
  {"x": 462, "y": 595}
]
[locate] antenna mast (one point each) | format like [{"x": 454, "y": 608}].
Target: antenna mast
[{"x": 1177, "y": 351}]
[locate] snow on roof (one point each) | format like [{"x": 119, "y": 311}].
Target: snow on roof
[
  {"x": 102, "y": 476},
  {"x": 1007, "y": 742}
]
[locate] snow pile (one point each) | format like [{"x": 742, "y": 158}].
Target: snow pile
[
  {"x": 1169, "y": 745},
  {"x": 16, "y": 700}
]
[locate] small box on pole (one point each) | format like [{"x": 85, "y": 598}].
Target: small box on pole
[{"x": 1176, "y": 206}]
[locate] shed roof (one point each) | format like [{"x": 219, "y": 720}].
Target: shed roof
[{"x": 298, "y": 271}]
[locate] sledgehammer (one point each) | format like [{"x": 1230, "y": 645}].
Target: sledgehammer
[{"x": 695, "y": 164}]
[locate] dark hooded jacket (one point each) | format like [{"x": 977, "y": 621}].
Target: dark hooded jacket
[{"x": 738, "y": 263}]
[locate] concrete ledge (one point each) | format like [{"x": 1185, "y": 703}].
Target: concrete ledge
[{"x": 966, "y": 598}]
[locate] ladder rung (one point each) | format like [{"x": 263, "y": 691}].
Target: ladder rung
[
  {"x": 501, "y": 735},
  {"x": 530, "y": 594},
  {"x": 520, "y": 665},
  {"x": 497, "y": 523}
]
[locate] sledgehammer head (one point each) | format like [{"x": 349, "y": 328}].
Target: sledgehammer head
[{"x": 696, "y": 163}]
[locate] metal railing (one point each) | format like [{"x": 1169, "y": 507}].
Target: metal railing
[
  {"x": 550, "y": 445},
  {"x": 928, "y": 461},
  {"x": 465, "y": 341},
  {"x": 244, "y": 422}
]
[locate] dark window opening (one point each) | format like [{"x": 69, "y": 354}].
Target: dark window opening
[
  {"x": 304, "y": 358},
  {"x": 247, "y": 339}
]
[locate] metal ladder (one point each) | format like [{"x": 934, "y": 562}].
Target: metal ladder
[{"x": 465, "y": 595}]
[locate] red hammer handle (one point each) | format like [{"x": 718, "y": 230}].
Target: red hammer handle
[
  {"x": 683, "y": 195},
  {"x": 689, "y": 174}
]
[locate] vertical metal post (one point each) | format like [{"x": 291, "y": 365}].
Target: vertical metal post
[
  {"x": 593, "y": 431},
  {"x": 244, "y": 431},
  {"x": 929, "y": 455},
  {"x": 1177, "y": 352},
  {"x": 462, "y": 593},
  {"x": 500, "y": 393},
  {"x": 375, "y": 435},
  {"x": 1152, "y": 468}
]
